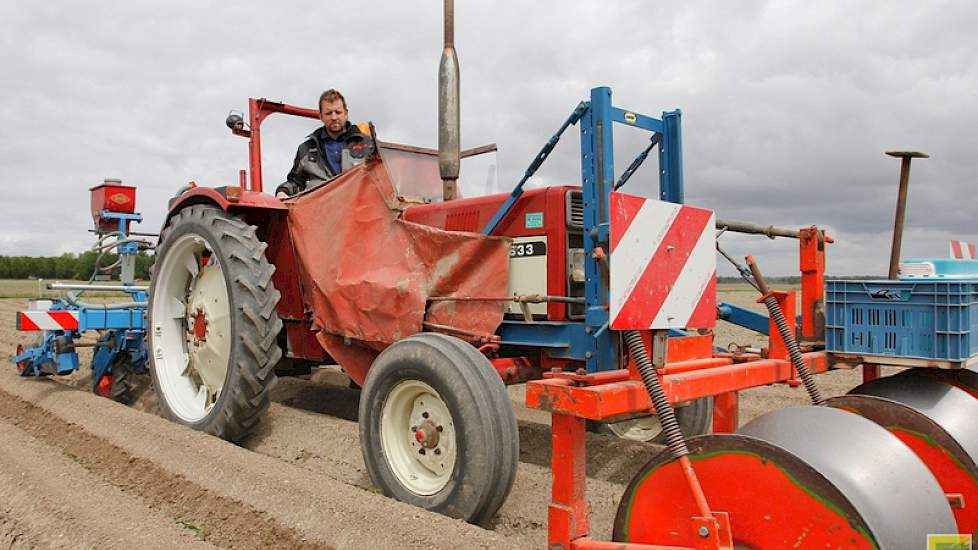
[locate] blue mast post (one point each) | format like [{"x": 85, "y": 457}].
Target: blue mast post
[
  {"x": 597, "y": 170},
  {"x": 534, "y": 166},
  {"x": 671, "y": 158}
]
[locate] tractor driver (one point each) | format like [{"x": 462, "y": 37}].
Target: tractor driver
[{"x": 326, "y": 153}]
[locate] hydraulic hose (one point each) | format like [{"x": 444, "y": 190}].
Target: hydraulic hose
[{"x": 665, "y": 412}]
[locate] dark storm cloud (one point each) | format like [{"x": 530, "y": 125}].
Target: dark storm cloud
[{"x": 787, "y": 106}]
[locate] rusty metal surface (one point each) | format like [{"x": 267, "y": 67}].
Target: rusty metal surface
[
  {"x": 366, "y": 274},
  {"x": 901, "y": 206},
  {"x": 877, "y": 473}
]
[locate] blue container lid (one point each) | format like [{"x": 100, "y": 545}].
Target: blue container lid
[{"x": 938, "y": 268}]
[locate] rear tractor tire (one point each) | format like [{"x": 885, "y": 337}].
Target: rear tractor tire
[
  {"x": 213, "y": 326},
  {"x": 437, "y": 428}
]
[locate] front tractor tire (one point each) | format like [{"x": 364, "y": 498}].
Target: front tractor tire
[
  {"x": 437, "y": 428},
  {"x": 213, "y": 326}
]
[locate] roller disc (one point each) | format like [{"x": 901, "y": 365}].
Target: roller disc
[
  {"x": 965, "y": 379},
  {"x": 955, "y": 471},
  {"x": 948, "y": 406},
  {"x": 803, "y": 477}
]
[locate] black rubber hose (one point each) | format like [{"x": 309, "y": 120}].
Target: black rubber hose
[{"x": 665, "y": 412}]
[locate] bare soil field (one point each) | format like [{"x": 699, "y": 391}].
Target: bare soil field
[{"x": 80, "y": 471}]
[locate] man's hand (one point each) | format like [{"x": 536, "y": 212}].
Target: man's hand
[{"x": 281, "y": 195}]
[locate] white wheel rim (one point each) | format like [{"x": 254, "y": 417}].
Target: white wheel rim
[
  {"x": 644, "y": 428},
  {"x": 191, "y": 323},
  {"x": 422, "y": 463}
]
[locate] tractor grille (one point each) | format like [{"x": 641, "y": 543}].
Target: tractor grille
[
  {"x": 575, "y": 210},
  {"x": 575, "y": 241}
]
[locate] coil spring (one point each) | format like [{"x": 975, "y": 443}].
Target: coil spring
[
  {"x": 665, "y": 412},
  {"x": 793, "y": 351}
]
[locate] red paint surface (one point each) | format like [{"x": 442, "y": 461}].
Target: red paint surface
[
  {"x": 105, "y": 386},
  {"x": 24, "y": 322},
  {"x": 950, "y": 476},
  {"x": 113, "y": 197},
  {"x": 66, "y": 319},
  {"x": 366, "y": 275},
  {"x": 617, "y": 395},
  {"x": 624, "y": 209},
  {"x": 767, "y": 509},
  {"x": 655, "y": 283},
  {"x": 472, "y": 214},
  {"x": 812, "y": 265}
]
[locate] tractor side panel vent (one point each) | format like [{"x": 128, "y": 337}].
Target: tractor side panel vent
[
  {"x": 466, "y": 220},
  {"x": 575, "y": 210}
]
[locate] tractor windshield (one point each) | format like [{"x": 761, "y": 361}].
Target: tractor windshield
[{"x": 414, "y": 172}]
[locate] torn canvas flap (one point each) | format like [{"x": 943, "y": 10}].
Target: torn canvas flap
[{"x": 367, "y": 275}]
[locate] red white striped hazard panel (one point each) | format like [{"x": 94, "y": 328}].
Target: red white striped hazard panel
[
  {"x": 47, "y": 320},
  {"x": 963, "y": 251},
  {"x": 663, "y": 265}
]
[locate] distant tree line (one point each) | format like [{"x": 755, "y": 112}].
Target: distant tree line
[
  {"x": 796, "y": 279},
  {"x": 66, "y": 266}
]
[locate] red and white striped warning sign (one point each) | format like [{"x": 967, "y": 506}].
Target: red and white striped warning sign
[
  {"x": 663, "y": 264},
  {"x": 963, "y": 251},
  {"x": 47, "y": 320}
]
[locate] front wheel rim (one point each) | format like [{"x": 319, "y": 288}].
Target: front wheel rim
[
  {"x": 418, "y": 436},
  {"x": 191, "y": 323}
]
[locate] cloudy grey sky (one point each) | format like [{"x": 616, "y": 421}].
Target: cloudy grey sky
[{"x": 787, "y": 106}]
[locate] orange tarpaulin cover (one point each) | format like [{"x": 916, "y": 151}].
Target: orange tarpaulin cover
[{"x": 366, "y": 274}]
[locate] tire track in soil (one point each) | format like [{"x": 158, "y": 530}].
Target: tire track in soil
[{"x": 228, "y": 523}]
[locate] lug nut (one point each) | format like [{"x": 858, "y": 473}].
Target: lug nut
[
  {"x": 437, "y": 451},
  {"x": 424, "y": 414},
  {"x": 439, "y": 428},
  {"x": 421, "y": 450},
  {"x": 414, "y": 428}
]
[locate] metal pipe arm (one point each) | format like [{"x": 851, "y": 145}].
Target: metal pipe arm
[{"x": 769, "y": 231}]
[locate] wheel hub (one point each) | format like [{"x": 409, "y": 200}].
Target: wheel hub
[
  {"x": 419, "y": 437},
  {"x": 198, "y": 327},
  {"x": 427, "y": 435}
]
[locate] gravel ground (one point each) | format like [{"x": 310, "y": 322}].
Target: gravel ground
[{"x": 79, "y": 471}]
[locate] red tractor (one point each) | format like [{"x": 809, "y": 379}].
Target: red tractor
[{"x": 227, "y": 308}]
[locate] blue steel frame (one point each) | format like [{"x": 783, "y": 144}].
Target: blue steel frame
[
  {"x": 591, "y": 341},
  {"x": 125, "y": 328}
]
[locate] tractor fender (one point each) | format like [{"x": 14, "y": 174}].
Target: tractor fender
[{"x": 249, "y": 201}]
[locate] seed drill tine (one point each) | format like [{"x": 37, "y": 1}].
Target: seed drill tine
[{"x": 774, "y": 310}]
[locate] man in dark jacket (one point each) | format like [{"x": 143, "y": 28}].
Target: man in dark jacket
[{"x": 326, "y": 153}]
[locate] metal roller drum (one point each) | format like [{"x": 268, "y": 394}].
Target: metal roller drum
[
  {"x": 956, "y": 472},
  {"x": 966, "y": 379},
  {"x": 802, "y": 477},
  {"x": 948, "y": 406}
]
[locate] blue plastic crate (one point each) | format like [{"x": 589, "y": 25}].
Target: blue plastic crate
[{"x": 929, "y": 319}]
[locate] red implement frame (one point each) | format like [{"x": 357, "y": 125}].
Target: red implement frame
[{"x": 608, "y": 396}]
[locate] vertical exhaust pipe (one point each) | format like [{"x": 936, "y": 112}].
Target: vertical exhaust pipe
[{"x": 448, "y": 109}]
